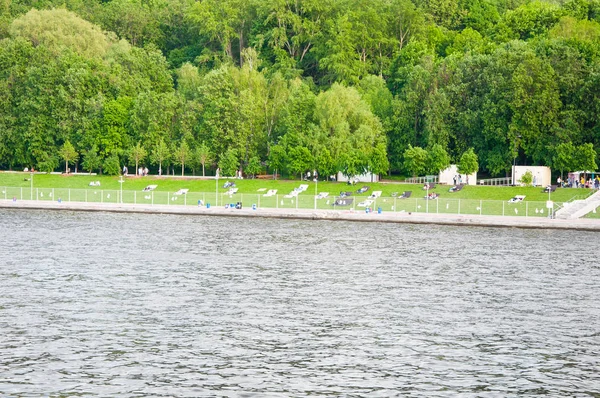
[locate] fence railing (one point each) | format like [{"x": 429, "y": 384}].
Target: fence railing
[
  {"x": 421, "y": 180},
  {"x": 503, "y": 181},
  {"x": 440, "y": 205}
]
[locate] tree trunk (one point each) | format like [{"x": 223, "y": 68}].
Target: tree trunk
[
  {"x": 182, "y": 167},
  {"x": 203, "y": 175}
]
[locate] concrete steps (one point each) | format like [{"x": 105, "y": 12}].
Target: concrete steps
[{"x": 579, "y": 208}]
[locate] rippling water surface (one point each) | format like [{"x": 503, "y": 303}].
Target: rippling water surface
[{"x": 161, "y": 305}]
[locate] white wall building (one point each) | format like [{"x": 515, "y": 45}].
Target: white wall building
[
  {"x": 367, "y": 177},
  {"x": 542, "y": 175},
  {"x": 447, "y": 176}
]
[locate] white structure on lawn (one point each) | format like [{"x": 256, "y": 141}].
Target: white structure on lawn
[
  {"x": 447, "y": 176},
  {"x": 542, "y": 175},
  {"x": 367, "y": 177}
]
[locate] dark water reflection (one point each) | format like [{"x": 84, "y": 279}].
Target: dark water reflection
[{"x": 160, "y": 305}]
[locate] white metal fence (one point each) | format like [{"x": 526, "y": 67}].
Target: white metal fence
[
  {"x": 421, "y": 180},
  {"x": 441, "y": 205},
  {"x": 504, "y": 181}
]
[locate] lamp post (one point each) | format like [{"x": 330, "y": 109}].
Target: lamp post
[
  {"x": 427, "y": 198},
  {"x": 121, "y": 181},
  {"x": 31, "y": 185},
  {"x": 217, "y": 187},
  {"x": 514, "y": 171},
  {"x": 316, "y": 185}
]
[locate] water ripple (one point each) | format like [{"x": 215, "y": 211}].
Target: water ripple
[{"x": 160, "y": 305}]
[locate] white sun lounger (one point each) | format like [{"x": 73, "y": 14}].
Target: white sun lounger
[
  {"x": 303, "y": 187},
  {"x": 292, "y": 194},
  {"x": 271, "y": 192},
  {"x": 366, "y": 203},
  {"x": 150, "y": 188},
  {"x": 231, "y": 191},
  {"x": 517, "y": 199},
  {"x": 322, "y": 195},
  {"x": 181, "y": 192},
  {"x": 375, "y": 194}
]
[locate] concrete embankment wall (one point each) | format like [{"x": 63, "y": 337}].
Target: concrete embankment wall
[{"x": 346, "y": 215}]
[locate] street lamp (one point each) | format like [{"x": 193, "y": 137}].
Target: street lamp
[
  {"x": 217, "y": 187},
  {"x": 316, "y": 185},
  {"x": 514, "y": 172},
  {"x": 121, "y": 181},
  {"x": 427, "y": 198}
]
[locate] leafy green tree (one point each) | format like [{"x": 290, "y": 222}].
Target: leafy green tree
[
  {"x": 585, "y": 157},
  {"x": 229, "y": 162},
  {"x": 136, "y": 155},
  {"x": 112, "y": 165},
  {"x": 527, "y": 178},
  {"x": 415, "y": 160},
  {"x": 58, "y": 29},
  {"x": 253, "y": 167},
  {"x": 115, "y": 121},
  {"x": 68, "y": 154},
  {"x": 224, "y": 22},
  {"x": 379, "y": 164},
  {"x": 277, "y": 158},
  {"x": 91, "y": 160},
  {"x": 160, "y": 154},
  {"x": 325, "y": 163},
  {"x": 469, "y": 163},
  {"x": 132, "y": 20},
  {"x": 348, "y": 128},
  {"x": 564, "y": 157},
  {"x": 437, "y": 159},
  {"x": 204, "y": 156},
  {"x": 47, "y": 162},
  {"x": 181, "y": 155},
  {"x": 300, "y": 160}
]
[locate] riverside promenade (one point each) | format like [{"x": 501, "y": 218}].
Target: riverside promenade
[{"x": 334, "y": 215}]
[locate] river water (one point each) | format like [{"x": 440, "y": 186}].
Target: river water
[{"x": 162, "y": 305}]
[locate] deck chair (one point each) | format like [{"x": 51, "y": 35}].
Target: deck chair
[
  {"x": 343, "y": 202},
  {"x": 405, "y": 195},
  {"x": 365, "y": 203},
  {"x": 516, "y": 199}
]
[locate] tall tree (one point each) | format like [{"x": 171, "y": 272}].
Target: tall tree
[
  {"x": 68, "y": 154},
  {"x": 136, "y": 155},
  {"x": 415, "y": 160},
  {"x": 91, "y": 160},
  {"x": 181, "y": 155},
  {"x": 469, "y": 163},
  {"x": 204, "y": 156}
]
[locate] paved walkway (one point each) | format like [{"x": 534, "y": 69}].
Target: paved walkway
[{"x": 347, "y": 215}]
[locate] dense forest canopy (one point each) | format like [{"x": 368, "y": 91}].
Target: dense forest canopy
[{"x": 296, "y": 85}]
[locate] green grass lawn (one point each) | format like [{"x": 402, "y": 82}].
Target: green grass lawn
[
  {"x": 251, "y": 186},
  {"x": 595, "y": 215}
]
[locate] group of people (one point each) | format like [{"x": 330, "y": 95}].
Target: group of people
[
  {"x": 572, "y": 182},
  {"x": 315, "y": 175},
  {"x": 142, "y": 171},
  {"x": 457, "y": 179}
]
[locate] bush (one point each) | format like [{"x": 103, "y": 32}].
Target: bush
[
  {"x": 112, "y": 165},
  {"x": 527, "y": 178}
]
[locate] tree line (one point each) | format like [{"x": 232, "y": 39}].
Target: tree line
[{"x": 403, "y": 86}]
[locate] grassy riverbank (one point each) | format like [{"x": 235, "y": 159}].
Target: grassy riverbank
[{"x": 252, "y": 186}]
